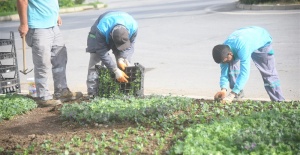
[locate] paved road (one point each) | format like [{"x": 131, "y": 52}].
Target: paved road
[{"x": 174, "y": 43}]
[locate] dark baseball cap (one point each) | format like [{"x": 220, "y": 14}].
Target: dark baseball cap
[{"x": 120, "y": 37}]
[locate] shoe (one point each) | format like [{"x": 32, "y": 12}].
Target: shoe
[
  {"x": 239, "y": 96},
  {"x": 91, "y": 96},
  {"x": 66, "y": 95},
  {"x": 48, "y": 103}
]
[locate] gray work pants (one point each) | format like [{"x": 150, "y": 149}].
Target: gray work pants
[
  {"x": 264, "y": 60},
  {"x": 48, "y": 52}
]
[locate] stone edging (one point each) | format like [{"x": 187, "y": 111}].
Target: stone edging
[{"x": 268, "y": 7}]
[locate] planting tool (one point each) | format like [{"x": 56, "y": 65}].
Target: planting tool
[{"x": 25, "y": 70}]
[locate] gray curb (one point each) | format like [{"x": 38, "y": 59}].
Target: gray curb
[
  {"x": 268, "y": 7},
  {"x": 62, "y": 10}
]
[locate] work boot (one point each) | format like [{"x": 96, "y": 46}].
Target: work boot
[
  {"x": 48, "y": 103},
  {"x": 66, "y": 95},
  {"x": 239, "y": 96},
  {"x": 91, "y": 96}
]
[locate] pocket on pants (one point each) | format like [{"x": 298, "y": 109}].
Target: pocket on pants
[
  {"x": 91, "y": 43},
  {"x": 29, "y": 37}
]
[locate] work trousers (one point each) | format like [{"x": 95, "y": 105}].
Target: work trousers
[
  {"x": 48, "y": 52},
  {"x": 264, "y": 60}
]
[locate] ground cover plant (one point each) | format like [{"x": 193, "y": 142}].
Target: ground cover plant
[
  {"x": 110, "y": 87},
  {"x": 11, "y": 105},
  {"x": 159, "y": 125}
]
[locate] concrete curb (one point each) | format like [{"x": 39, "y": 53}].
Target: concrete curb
[
  {"x": 15, "y": 17},
  {"x": 268, "y": 7}
]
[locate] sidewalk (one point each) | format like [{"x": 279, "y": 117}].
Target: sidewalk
[{"x": 15, "y": 17}]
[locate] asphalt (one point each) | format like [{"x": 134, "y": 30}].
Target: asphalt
[{"x": 238, "y": 5}]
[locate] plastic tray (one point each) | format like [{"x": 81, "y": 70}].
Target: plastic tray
[
  {"x": 6, "y": 55},
  {"x": 10, "y": 89},
  {"x": 109, "y": 86},
  {"x": 4, "y": 42},
  {"x": 8, "y": 82},
  {"x": 7, "y": 68}
]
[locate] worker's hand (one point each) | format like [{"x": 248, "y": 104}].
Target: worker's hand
[
  {"x": 59, "y": 21},
  {"x": 122, "y": 63},
  {"x": 120, "y": 75},
  {"x": 220, "y": 95},
  {"x": 23, "y": 29},
  {"x": 228, "y": 98}
]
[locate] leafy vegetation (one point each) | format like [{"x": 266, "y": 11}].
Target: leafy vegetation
[
  {"x": 176, "y": 125},
  {"x": 110, "y": 87},
  {"x": 124, "y": 109},
  {"x": 11, "y": 105},
  {"x": 270, "y": 132}
]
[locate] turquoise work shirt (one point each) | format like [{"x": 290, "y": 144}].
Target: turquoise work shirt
[
  {"x": 42, "y": 13},
  {"x": 243, "y": 42},
  {"x": 107, "y": 23}
]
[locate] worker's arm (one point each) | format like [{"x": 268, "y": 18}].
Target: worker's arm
[
  {"x": 22, "y": 6},
  {"x": 223, "y": 82},
  {"x": 244, "y": 73},
  {"x": 224, "y": 78}
]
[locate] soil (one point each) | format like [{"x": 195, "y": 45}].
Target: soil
[{"x": 45, "y": 123}]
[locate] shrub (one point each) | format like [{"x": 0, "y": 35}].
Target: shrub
[
  {"x": 8, "y": 5},
  {"x": 79, "y": 1},
  {"x": 66, "y": 3},
  {"x": 268, "y": 1}
]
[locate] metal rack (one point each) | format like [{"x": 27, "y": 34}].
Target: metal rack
[{"x": 9, "y": 75}]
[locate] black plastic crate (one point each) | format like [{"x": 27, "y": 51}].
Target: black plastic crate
[
  {"x": 109, "y": 86},
  {"x": 4, "y": 42},
  {"x": 8, "y": 82},
  {"x": 9, "y": 85},
  {"x": 6, "y": 55},
  {"x": 7, "y": 68}
]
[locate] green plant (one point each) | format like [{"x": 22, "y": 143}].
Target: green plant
[
  {"x": 78, "y": 1},
  {"x": 270, "y": 132},
  {"x": 66, "y": 3},
  {"x": 110, "y": 87},
  {"x": 268, "y": 1},
  {"x": 13, "y": 104},
  {"x": 8, "y": 6}
]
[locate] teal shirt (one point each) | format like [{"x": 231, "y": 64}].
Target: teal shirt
[
  {"x": 107, "y": 23},
  {"x": 42, "y": 13},
  {"x": 243, "y": 42}
]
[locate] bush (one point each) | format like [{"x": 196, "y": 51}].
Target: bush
[
  {"x": 268, "y": 1},
  {"x": 8, "y": 6},
  {"x": 79, "y": 1},
  {"x": 66, "y": 3}
]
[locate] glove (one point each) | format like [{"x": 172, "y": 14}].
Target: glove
[
  {"x": 229, "y": 98},
  {"x": 220, "y": 95},
  {"x": 120, "y": 75},
  {"x": 122, "y": 63}
]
